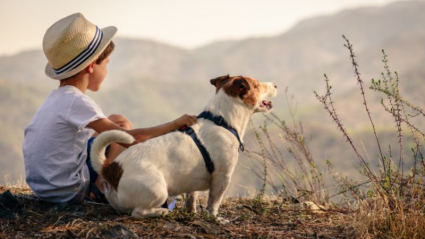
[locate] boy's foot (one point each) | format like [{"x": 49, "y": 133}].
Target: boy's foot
[
  {"x": 91, "y": 195},
  {"x": 96, "y": 195},
  {"x": 99, "y": 184},
  {"x": 97, "y": 190}
]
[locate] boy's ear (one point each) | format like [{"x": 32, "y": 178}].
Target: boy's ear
[{"x": 90, "y": 68}]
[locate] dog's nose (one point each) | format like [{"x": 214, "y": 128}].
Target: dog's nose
[{"x": 275, "y": 86}]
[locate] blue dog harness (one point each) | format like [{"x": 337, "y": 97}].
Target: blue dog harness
[{"x": 218, "y": 120}]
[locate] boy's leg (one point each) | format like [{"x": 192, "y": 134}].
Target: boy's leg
[{"x": 114, "y": 149}]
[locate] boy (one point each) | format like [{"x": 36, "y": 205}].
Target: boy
[{"x": 56, "y": 139}]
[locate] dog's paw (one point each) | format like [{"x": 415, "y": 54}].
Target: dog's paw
[{"x": 222, "y": 221}]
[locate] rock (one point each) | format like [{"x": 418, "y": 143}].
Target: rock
[
  {"x": 76, "y": 210},
  {"x": 118, "y": 231},
  {"x": 314, "y": 207},
  {"x": 223, "y": 221},
  {"x": 9, "y": 205},
  {"x": 58, "y": 207},
  {"x": 189, "y": 236}
]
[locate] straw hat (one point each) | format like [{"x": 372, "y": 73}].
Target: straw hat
[{"x": 72, "y": 43}]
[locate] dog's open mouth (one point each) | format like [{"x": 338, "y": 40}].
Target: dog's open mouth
[{"x": 266, "y": 104}]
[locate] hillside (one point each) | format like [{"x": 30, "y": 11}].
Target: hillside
[{"x": 152, "y": 83}]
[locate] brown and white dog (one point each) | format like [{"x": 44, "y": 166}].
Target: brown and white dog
[{"x": 143, "y": 176}]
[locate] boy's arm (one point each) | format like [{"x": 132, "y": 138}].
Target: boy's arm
[{"x": 143, "y": 134}]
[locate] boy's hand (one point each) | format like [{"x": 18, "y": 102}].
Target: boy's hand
[{"x": 185, "y": 120}]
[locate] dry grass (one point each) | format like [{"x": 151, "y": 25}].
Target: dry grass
[
  {"x": 376, "y": 220},
  {"x": 249, "y": 218}
]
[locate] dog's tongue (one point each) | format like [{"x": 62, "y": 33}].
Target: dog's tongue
[{"x": 268, "y": 104}]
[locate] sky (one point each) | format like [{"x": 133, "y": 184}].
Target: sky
[{"x": 184, "y": 23}]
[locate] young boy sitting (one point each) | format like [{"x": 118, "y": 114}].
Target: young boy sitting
[{"x": 55, "y": 144}]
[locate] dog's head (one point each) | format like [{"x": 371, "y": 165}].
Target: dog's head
[{"x": 252, "y": 93}]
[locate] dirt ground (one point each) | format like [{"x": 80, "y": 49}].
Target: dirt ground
[{"x": 249, "y": 218}]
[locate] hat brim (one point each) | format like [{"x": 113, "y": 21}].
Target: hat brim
[{"x": 108, "y": 34}]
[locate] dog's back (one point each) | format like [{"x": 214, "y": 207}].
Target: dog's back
[{"x": 180, "y": 159}]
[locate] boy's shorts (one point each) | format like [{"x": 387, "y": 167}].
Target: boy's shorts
[{"x": 99, "y": 196}]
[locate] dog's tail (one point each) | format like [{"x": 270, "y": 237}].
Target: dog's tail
[{"x": 97, "y": 153}]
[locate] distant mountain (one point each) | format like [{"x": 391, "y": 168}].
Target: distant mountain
[
  {"x": 152, "y": 82},
  {"x": 294, "y": 58}
]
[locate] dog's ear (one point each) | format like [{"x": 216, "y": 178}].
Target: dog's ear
[
  {"x": 239, "y": 87},
  {"x": 219, "y": 80}
]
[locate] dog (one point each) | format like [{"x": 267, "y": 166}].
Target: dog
[{"x": 143, "y": 176}]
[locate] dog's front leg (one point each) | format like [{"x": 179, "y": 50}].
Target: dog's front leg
[
  {"x": 191, "y": 201},
  {"x": 217, "y": 189}
]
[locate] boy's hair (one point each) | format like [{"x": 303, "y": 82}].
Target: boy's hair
[{"x": 107, "y": 52}]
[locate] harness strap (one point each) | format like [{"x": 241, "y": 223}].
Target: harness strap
[
  {"x": 208, "y": 162},
  {"x": 220, "y": 121}
]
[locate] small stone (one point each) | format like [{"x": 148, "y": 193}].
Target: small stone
[
  {"x": 76, "y": 210},
  {"x": 58, "y": 207},
  {"x": 9, "y": 205},
  {"x": 189, "y": 236}
]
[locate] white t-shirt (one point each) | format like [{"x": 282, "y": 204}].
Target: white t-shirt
[{"x": 55, "y": 146}]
